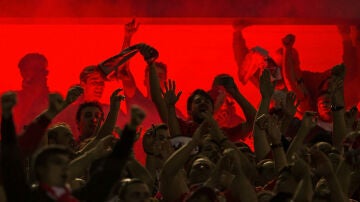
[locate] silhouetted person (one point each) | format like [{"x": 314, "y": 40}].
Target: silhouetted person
[{"x": 33, "y": 97}]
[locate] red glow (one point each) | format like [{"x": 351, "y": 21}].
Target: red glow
[{"x": 193, "y": 53}]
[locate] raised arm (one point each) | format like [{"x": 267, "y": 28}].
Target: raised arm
[
  {"x": 32, "y": 136},
  {"x": 274, "y": 135},
  {"x": 113, "y": 164},
  {"x": 304, "y": 191},
  {"x": 261, "y": 143},
  {"x": 172, "y": 184},
  {"x": 109, "y": 124},
  {"x": 338, "y": 106},
  {"x": 78, "y": 166},
  {"x": 13, "y": 175},
  {"x": 324, "y": 168},
  {"x": 308, "y": 122},
  {"x": 124, "y": 73},
  {"x": 240, "y": 50},
  {"x": 245, "y": 105},
  {"x": 171, "y": 98},
  {"x": 291, "y": 71}
]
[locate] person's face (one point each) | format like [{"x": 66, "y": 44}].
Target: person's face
[
  {"x": 64, "y": 137},
  {"x": 138, "y": 192},
  {"x": 200, "y": 104},
  {"x": 34, "y": 74},
  {"x": 161, "y": 142},
  {"x": 200, "y": 170},
  {"x": 93, "y": 87},
  {"x": 55, "y": 171},
  {"x": 161, "y": 75},
  {"x": 324, "y": 108},
  {"x": 89, "y": 118},
  {"x": 211, "y": 150}
]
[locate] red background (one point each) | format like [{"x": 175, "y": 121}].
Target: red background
[{"x": 194, "y": 53}]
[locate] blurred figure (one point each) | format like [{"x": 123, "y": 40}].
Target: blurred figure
[{"x": 33, "y": 97}]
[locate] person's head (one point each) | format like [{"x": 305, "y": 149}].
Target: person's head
[
  {"x": 88, "y": 116},
  {"x": 132, "y": 190},
  {"x": 203, "y": 194},
  {"x": 323, "y": 104},
  {"x": 211, "y": 149},
  {"x": 322, "y": 191},
  {"x": 198, "y": 102},
  {"x": 93, "y": 82},
  {"x": 266, "y": 170},
  {"x": 286, "y": 182},
  {"x": 155, "y": 139},
  {"x": 51, "y": 165},
  {"x": 161, "y": 70},
  {"x": 33, "y": 69},
  {"x": 61, "y": 134},
  {"x": 201, "y": 169}
]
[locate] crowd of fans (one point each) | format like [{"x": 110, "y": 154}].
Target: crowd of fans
[{"x": 300, "y": 144}]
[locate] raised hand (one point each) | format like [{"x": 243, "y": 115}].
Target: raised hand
[
  {"x": 8, "y": 101},
  {"x": 131, "y": 28},
  {"x": 73, "y": 94},
  {"x": 227, "y": 82},
  {"x": 288, "y": 41},
  {"x": 200, "y": 132},
  {"x": 150, "y": 54},
  {"x": 56, "y": 103},
  {"x": 266, "y": 86},
  {"x": 170, "y": 96},
  {"x": 273, "y": 129},
  {"x": 137, "y": 116},
  {"x": 116, "y": 98},
  {"x": 309, "y": 120},
  {"x": 290, "y": 105}
]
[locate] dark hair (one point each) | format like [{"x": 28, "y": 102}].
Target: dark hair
[
  {"x": 198, "y": 92},
  {"x": 207, "y": 191},
  {"x": 88, "y": 104},
  {"x": 29, "y": 59},
  {"x": 123, "y": 185},
  {"x": 51, "y": 134},
  {"x": 84, "y": 74},
  {"x": 158, "y": 65},
  {"x": 42, "y": 156},
  {"x": 151, "y": 133}
]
